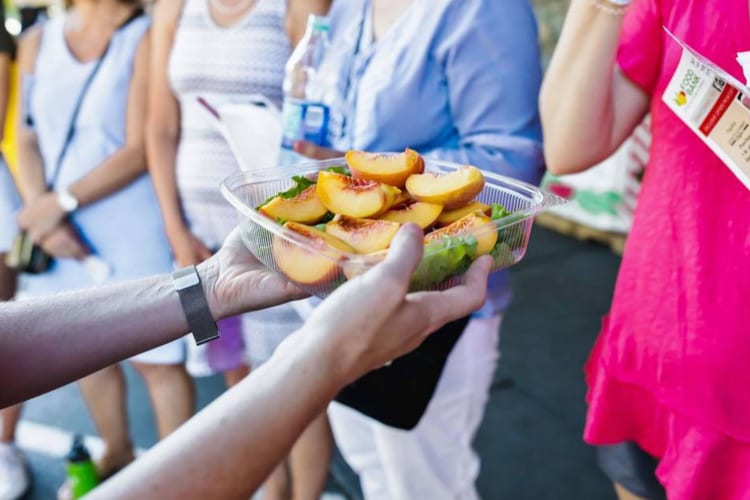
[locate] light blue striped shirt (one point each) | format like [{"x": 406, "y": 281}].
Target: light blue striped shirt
[{"x": 456, "y": 80}]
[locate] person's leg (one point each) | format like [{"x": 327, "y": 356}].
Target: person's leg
[
  {"x": 310, "y": 459},
  {"x": 436, "y": 459},
  {"x": 10, "y": 417},
  {"x": 172, "y": 394},
  {"x": 232, "y": 377},
  {"x": 631, "y": 470},
  {"x": 623, "y": 494},
  {"x": 105, "y": 395},
  {"x": 276, "y": 487}
]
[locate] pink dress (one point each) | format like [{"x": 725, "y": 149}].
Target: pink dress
[{"x": 671, "y": 368}]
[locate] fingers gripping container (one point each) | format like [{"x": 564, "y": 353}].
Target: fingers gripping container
[{"x": 444, "y": 262}]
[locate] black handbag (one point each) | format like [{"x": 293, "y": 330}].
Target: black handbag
[
  {"x": 25, "y": 256},
  {"x": 398, "y": 394}
]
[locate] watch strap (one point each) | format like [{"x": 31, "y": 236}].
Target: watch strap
[{"x": 195, "y": 305}]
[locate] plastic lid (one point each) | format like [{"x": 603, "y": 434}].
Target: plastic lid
[
  {"x": 317, "y": 23},
  {"x": 78, "y": 451}
]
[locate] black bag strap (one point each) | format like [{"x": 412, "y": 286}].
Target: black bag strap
[{"x": 82, "y": 97}]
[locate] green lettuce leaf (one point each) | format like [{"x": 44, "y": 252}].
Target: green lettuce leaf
[
  {"x": 512, "y": 235},
  {"x": 300, "y": 184},
  {"x": 339, "y": 170},
  {"x": 448, "y": 257}
]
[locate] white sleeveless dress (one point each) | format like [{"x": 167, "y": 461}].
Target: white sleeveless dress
[
  {"x": 243, "y": 59},
  {"x": 125, "y": 229}
]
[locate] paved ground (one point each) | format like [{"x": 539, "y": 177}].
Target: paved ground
[{"x": 530, "y": 439}]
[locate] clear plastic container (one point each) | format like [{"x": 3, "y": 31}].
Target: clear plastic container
[{"x": 269, "y": 241}]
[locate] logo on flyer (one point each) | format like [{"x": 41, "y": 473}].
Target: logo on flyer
[{"x": 681, "y": 98}]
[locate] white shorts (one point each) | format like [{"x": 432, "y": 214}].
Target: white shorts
[{"x": 10, "y": 203}]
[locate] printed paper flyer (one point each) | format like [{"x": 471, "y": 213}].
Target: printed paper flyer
[{"x": 710, "y": 101}]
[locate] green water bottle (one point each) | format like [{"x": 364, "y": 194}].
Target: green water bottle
[{"x": 80, "y": 469}]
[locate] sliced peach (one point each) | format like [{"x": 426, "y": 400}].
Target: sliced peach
[
  {"x": 359, "y": 198},
  {"x": 403, "y": 198},
  {"x": 452, "y": 190},
  {"x": 389, "y": 168},
  {"x": 477, "y": 224},
  {"x": 305, "y": 207},
  {"x": 364, "y": 235},
  {"x": 304, "y": 266},
  {"x": 422, "y": 214},
  {"x": 450, "y": 216},
  {"x": 393, "y": 196}
]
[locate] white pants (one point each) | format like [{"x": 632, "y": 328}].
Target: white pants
[{"x": 435, "y": 460}]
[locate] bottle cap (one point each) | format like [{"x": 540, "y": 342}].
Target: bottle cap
[
  {"x": 317, "y": 23},
  {"x": 78, "y": 451}
]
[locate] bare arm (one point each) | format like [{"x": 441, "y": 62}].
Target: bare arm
[
  {"x": 46, "y": 343},
  {"x": 163, "y": 136},
  {"x": 129, "y": 162},
  {"x": 163, "y": 123},
  {"x": 4, "y": 89},
  {"x": 588, "y": 107},
  {"x": 31, "y": 166},
  {"x": 297, "y": 13},
  {"x": 207, "y": 458}
]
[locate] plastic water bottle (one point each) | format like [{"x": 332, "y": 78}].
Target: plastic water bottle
[
  {"x": 305, "y": 115},
  {"x": 80, "y": 469}
]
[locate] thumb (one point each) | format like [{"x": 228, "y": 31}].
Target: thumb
[{"x": 404, "y": 255}]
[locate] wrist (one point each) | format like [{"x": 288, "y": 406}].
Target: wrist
[
  {"x": 66, "y": 201},
  {"x": 309, "y": 345},
  {"x": 175, "y": 228},
  {"x": 208, "y": 272},
  {"x": 614, "y": 7}
]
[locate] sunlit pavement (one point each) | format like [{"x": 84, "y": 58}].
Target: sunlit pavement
[{"x": 530, "y": 440}]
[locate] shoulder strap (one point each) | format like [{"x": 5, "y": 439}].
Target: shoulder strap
[{"x": 81, "y": 98}]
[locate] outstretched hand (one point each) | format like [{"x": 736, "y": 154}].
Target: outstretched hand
[
  {"x": 372, "y": 320},
  {"x": 236, "y": 282}
]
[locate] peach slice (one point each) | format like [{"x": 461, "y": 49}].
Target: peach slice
[
  {"x": 358, "y": 198},
  {"x": 450, "y": 216},
  {"x": 422, "y": 214},
  {"x": 364, "y": 235},
  {"x": 389, "y": 168},
  {"x": 305, "y": 266},
  {"x": 477, "y": 224},
  {"x": 452, "y": 190},
  {"x": 305, "y": 207}
]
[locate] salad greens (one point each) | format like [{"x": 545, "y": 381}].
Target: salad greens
[
  {"x": 448, "y": 257},
  {"x": 301, "y": 183},
  {"x": 512, "y": 235},
  {"x": 340, "y": 170}
]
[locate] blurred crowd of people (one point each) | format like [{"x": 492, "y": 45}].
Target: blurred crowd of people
[{"x": 117, "y": 178}]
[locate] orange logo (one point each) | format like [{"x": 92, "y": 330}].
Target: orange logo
[{"x": 681, "y": 98}]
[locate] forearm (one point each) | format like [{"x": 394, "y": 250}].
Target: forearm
[
  {"x": 4, "y": 90},
  {"x": 115, "y": 173},
  {"x": 255, "y": 423},
  {"x": 101, "y": 327},
  {"x": 576, "y": 101},
  {"x": 31, "y": 175},
  {"x": 162, "y": 157}
]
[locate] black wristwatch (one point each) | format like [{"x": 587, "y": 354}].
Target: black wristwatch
[{"x": 195, "y": 305}]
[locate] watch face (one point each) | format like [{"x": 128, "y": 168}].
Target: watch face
[{"x": 67, "y": 201}]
